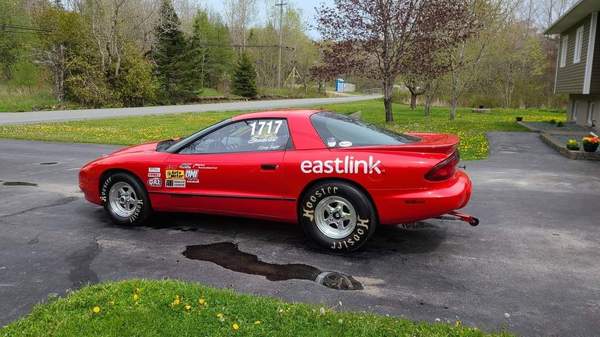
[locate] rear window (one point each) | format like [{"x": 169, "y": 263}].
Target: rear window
[{"x": 342, "y": 131}]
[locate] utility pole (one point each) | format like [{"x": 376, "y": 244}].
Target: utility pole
[{"x": 280, "y": 4}]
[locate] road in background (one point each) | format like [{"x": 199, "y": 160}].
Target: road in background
[{"x": 71, "y": 115}]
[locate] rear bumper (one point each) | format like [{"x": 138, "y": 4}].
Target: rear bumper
[{"x": 424, "y": 204}]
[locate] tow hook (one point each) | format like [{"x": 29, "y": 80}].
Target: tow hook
[{"x": 454, "y": 215}]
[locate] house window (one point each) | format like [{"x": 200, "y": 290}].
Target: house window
[
  {"x": 564, "y": 44},
  {"x": 578, "y": 45}
]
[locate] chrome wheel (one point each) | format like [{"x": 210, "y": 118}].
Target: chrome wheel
[
  {"x": 123, "y": 199},
  {"x": 335, "y": 217}
]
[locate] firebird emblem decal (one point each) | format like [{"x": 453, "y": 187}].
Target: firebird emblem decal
[{"x": 347, "y": 165}]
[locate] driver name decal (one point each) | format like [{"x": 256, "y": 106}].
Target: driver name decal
[{"x": 347, "y": 165}]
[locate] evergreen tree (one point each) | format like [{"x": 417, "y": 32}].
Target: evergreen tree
[
  {"x": 244, "y": 79},
  {"x": 210, "y": 57},
  {"x": 169, "y": 55}
]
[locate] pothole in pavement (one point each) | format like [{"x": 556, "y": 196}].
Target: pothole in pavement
[
  {"x": 228, "y": 255},
  {"x": 18, "y": 183}
]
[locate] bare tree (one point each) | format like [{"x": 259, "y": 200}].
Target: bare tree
[
  {"x": 375, "y": 37},
  {"x": 54, "y": 59},
  {"x": 239, "y": 15}
]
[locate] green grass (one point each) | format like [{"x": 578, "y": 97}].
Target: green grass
[
  {"x": 471, "y": 127},
  {"x": 22, "y": 99},
  {"x": 148, "y": 308},
  {"x": 210, "y": 92},
  {"x": 119, "y": 131}
]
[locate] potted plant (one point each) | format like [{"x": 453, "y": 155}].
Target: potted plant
[
  {"x": 572, "y": 145},
  {"x": 590, "y": 143}
]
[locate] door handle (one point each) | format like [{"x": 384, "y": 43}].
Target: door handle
[{"x": 269, "y": 167}]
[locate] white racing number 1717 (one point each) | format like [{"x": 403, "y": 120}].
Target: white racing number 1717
[{"x": 265, "y": 127}]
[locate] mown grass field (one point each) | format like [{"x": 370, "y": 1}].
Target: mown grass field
[
  {"x": 470, "y": 126},
  {"x": 22, "y": 99},
  {"x": 173, "y": 308}
]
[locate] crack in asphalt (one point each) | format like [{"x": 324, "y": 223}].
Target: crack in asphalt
[
  {"x": 80, "y": 261},
  {"x": 59, "y": 202}
]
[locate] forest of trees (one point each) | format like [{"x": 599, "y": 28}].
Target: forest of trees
[{"x": 140, "y": 52}]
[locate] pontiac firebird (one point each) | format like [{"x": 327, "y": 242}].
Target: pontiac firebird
[{"x": 338, "y": 177}]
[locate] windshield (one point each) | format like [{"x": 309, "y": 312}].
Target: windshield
[{"x": 342, "y": 131}]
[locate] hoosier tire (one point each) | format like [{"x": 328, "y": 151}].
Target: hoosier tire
[
  {"x": 337, "y": 216},
  {"x": 125, "y": 199}
]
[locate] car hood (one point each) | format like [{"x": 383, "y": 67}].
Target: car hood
[{"x": 149, "y": 147}]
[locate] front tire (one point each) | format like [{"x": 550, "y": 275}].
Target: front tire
[
  {"x": 125, "y": 199},
  {"x": 337, "y": 216}
]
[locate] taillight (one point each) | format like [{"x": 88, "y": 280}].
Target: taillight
[{"x": 445, "y": 169}]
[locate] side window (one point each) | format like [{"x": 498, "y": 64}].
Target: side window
[
  {"x": 251, "y": 135},
  {"x": 578, "y": 45},
  {"x": 564, "y": 48}
]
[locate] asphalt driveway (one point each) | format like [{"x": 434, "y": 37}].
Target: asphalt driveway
[{"x": 531, "y": 267}]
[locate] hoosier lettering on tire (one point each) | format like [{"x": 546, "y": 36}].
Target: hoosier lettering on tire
[
  {"x": 337, "y": 216},
  {"x": 125, "y": 199}
]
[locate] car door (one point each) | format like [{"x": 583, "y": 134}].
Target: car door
[{"x": 233, "y": 170}]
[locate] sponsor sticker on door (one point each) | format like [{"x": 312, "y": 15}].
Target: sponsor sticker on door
[
  {"x": 155, "y": 182},
  {"x": 175, "y": 183},
  {"x": 175, "y": 174},
  {"x": 191, "y": 175}
]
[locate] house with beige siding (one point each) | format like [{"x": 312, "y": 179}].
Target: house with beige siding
[{"x": 578, "y": 62}]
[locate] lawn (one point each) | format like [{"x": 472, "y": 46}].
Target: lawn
[
  {"x": 471, "y": 127},
  {"x": 210, "y": 92},
  {"x": 173, "y": 308},
  {"x": 22, "y": 99}
]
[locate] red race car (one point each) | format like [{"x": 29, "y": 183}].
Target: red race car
[{"x": 338, "y": 177}]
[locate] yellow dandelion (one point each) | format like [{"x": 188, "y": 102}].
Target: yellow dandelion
[
  {"x": 188, "y": 307},
  {"x": 257, "y": 322},
  {"x": 136, "y": 297},
  {"x": 235, "y": 326},
  {"x": 221, "y": 317},
  {"x": 201, "y": 301},
  {"x": 96, "y": 310},
  {"x": 176, "y": 301}
]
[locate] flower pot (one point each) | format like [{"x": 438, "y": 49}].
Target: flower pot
[{"x": 590, "y": 147}]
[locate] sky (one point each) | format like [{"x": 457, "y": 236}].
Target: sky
[{"x": 307, "y": 7}]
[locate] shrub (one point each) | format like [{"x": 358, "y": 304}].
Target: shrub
[
  {"x": 560, "y": 124},
  {"x": 136, "y": 85},
  {"x": 553, "y": 121},
  {"x": 572, "y": 145}
]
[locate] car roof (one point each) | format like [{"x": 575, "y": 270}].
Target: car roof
[{"x": 276, "y": 114}]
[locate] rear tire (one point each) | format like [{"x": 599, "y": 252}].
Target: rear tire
[
  {"x": 337, "y": 216},
  {"x": 125, "y": 199}
]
